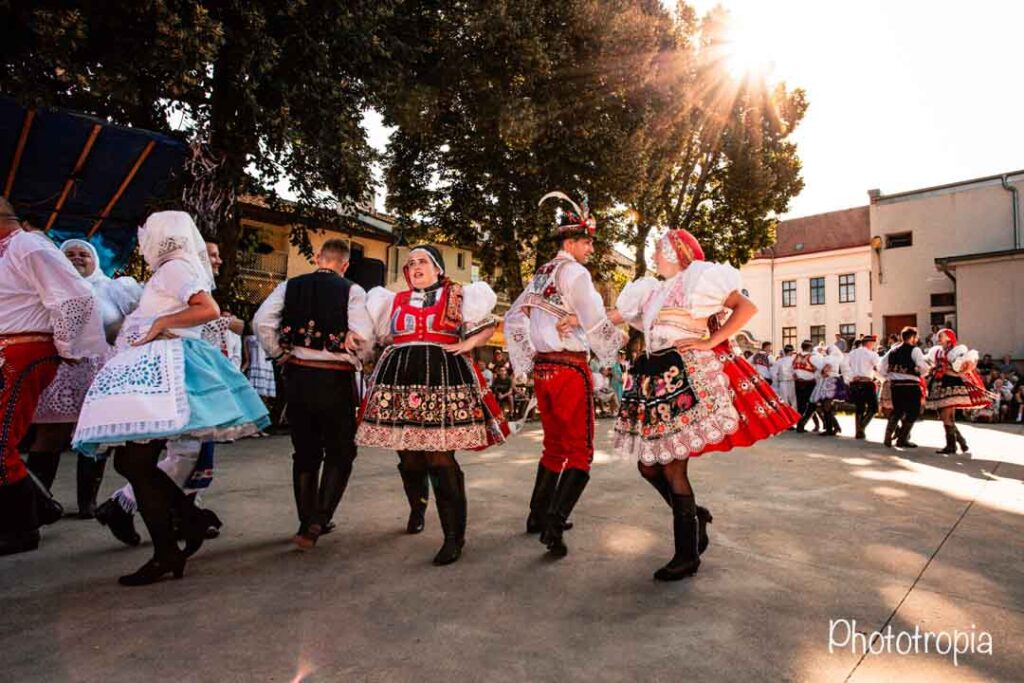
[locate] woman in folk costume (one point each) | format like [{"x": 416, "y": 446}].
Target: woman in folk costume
[
  {"x": 689, "y": 394},
  {"x": 426, "y": 398},
  {"x": 166, "y": 383},
  {"x": 954, "y": 385},
  {"x": 60, "y": 404},
  {"x": 831, "y": 387}
]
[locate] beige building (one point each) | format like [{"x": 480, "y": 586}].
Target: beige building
[
  {"x": 814, "y": 282},
  {"x": 952, "y": 255}
]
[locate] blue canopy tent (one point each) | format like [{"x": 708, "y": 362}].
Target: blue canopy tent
[{"x": 77, "y": 176}]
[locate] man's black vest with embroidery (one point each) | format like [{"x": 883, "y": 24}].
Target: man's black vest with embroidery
[
  {"x": 901, "y": 360},
  {"x": 316, "y": 312}
]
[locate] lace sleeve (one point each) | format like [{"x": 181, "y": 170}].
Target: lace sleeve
[
  {"x": 70, "y": 319},
  {"x": 517, "y": 337},
  {"x": 605, "y": 341},
  {"x": 631, "y": 300}
]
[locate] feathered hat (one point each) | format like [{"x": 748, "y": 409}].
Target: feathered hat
[{"x": 575, "y": 223}]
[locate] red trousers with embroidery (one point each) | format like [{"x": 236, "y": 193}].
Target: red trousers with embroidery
[
  {"x": 565, "y": 397},
  {"x": 26, "y": 369}
]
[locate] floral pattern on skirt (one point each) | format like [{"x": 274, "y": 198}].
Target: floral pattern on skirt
[
  {"x": 955, "y": 391},
  {"x": 676, "y": 406}
]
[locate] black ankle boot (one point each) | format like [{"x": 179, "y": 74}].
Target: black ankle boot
[
  {"x": 950, "y": 448},
  {"x": 154, "y": 570},
  {"x": 195, "y": 522},
  {"x": 450, "y": 498},
  {"x": 89, "y": 476},
  {"x": 960, "y": 439},
  {"x": 121, "y": 523},
  {"x": 686, "y": 532},
  {"x": 570, "y": 488},
  {"x": 540, "y": 501},
  {"x": 417, "y": 491}
]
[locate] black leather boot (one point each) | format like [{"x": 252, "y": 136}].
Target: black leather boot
[
  {"x": 540, "y": 501},
  {"x": 450, "y": 498},
  {"x": 194, "y": 523},
  {"x": 570, "y": 488},
  {"x": 89, "y": 476},
  {"x": 950, "y": 448},
  {"x": 890, "y": 431},
  {"x": 960, "y": 440},
  {"x": 903, "y": 436},
  {"x": 333, "y": 482},
  {"x": 44, "y": 466},
  {"x": 304, "y": 486},
  {"x": 19, "y": 522},
  {"x": 417, "y": 491},
  {"x": 685, "y": 529},
  {"x": 704, "y": 516},
  {"x": 121, "y": 523}
]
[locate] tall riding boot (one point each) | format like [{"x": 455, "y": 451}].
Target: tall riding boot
[
  {"x": 858, "y": 422},
  {"x": 890, "y": 431},
  {"x": 44, "y": 466},
  {"x": 570, "y": 488},
  {"x": 903, "y": 436},
  {"x": 704, "y": 516},
  {"x": 808, "y": 413},
  {"x": 685, "y": 530},
  {"x": 836, "y": 429},
  {"x": 417, "y": 490},
  {"x": 304, "y": 484},
  {"x": 540, "y": 502},
  {"x": 89, "y": 476},
  {"x": 950, "y": 448},
  {"x": 817, "y": 422},
  {"x": 960, "y": 439},
  {"x": 450, "y": 498},
  {"x": 333, "y": 482}
]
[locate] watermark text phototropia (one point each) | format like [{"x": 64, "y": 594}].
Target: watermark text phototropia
[{"x": 843, "y": 634}]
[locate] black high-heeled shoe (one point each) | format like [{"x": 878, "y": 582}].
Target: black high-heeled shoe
[
  {"x": 197, "y": 524},
  {"x": 155, "y": 569}
]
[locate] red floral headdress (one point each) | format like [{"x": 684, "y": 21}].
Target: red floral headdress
[{"x": 575, "y": 223}]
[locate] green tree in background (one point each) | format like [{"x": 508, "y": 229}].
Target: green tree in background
[{"x": 273, "y": 91}]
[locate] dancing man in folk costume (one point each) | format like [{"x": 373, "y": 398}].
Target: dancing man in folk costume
[
  {"x": 783, "y": 379},
  {"x": 166, "y": 383},
  {"x": 804, "y": 379},
  {"x": 48, "y": 312},
  {"x": 316, "y": 324},
  {"x": 954, "y": 385},
  {"x": 58, "y": 408},
  {"x": 426, "y": 398},
  {"x": 689, "y": 394},
  {"x": 551, "y": 329},
  {"x": 829, "y": 387},
  {"x": 863, "y": 364},
  {"x": 904, "y": 367}
]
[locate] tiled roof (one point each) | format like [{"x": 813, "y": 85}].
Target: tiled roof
[{"x": 821, "y": 232}]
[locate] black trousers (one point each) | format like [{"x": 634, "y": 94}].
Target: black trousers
[
  {"x": 906, "y": 405},
  {"x": 865, "y": 399},
  {"x": 322, "y": 415},
  {"x": 804, "y": 389}
]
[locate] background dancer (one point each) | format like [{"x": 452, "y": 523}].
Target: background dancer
[
  {"x": 863, "y": 366},
  {"x": 830, "y": 387},
  {"x": 903, "y": 367},
  {"x": 804, "y": 380},
  {"x": 784, "y": 383},
  {"x": 561, "y": 295},
  {"x": 426, "y": 398},
  {"x": 689, "y": 394},
  {"x": 954, "y": 385},
  {"x": 47, "y": 312},
  {"x": 315, "y": 325},
  {"x": 166, "y": 383},
  {"x": 58, "y": 408}
]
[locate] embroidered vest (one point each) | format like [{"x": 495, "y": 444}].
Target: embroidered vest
[
  {"x": 315, "y": 312},
  {"x": 802, "y": 361},
  {"x": 413, "y": 324},
  {"x": 543, "y": 291},
  {"x": 901, "y": 360}
]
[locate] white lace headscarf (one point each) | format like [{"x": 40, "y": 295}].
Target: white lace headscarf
[
  {"x": 97, "y": 275},
  {"x": 169, "y": 235}
]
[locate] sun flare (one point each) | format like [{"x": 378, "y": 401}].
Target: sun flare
[{"x": 747, "y": 51}]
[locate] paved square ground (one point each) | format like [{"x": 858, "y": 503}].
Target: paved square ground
[{"x": 807, "y": 530}]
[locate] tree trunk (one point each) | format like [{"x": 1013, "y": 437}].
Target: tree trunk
[{"x": 643, "y": 229}]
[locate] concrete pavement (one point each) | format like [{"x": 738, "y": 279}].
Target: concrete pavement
[{"x": 807, "y": 530}]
